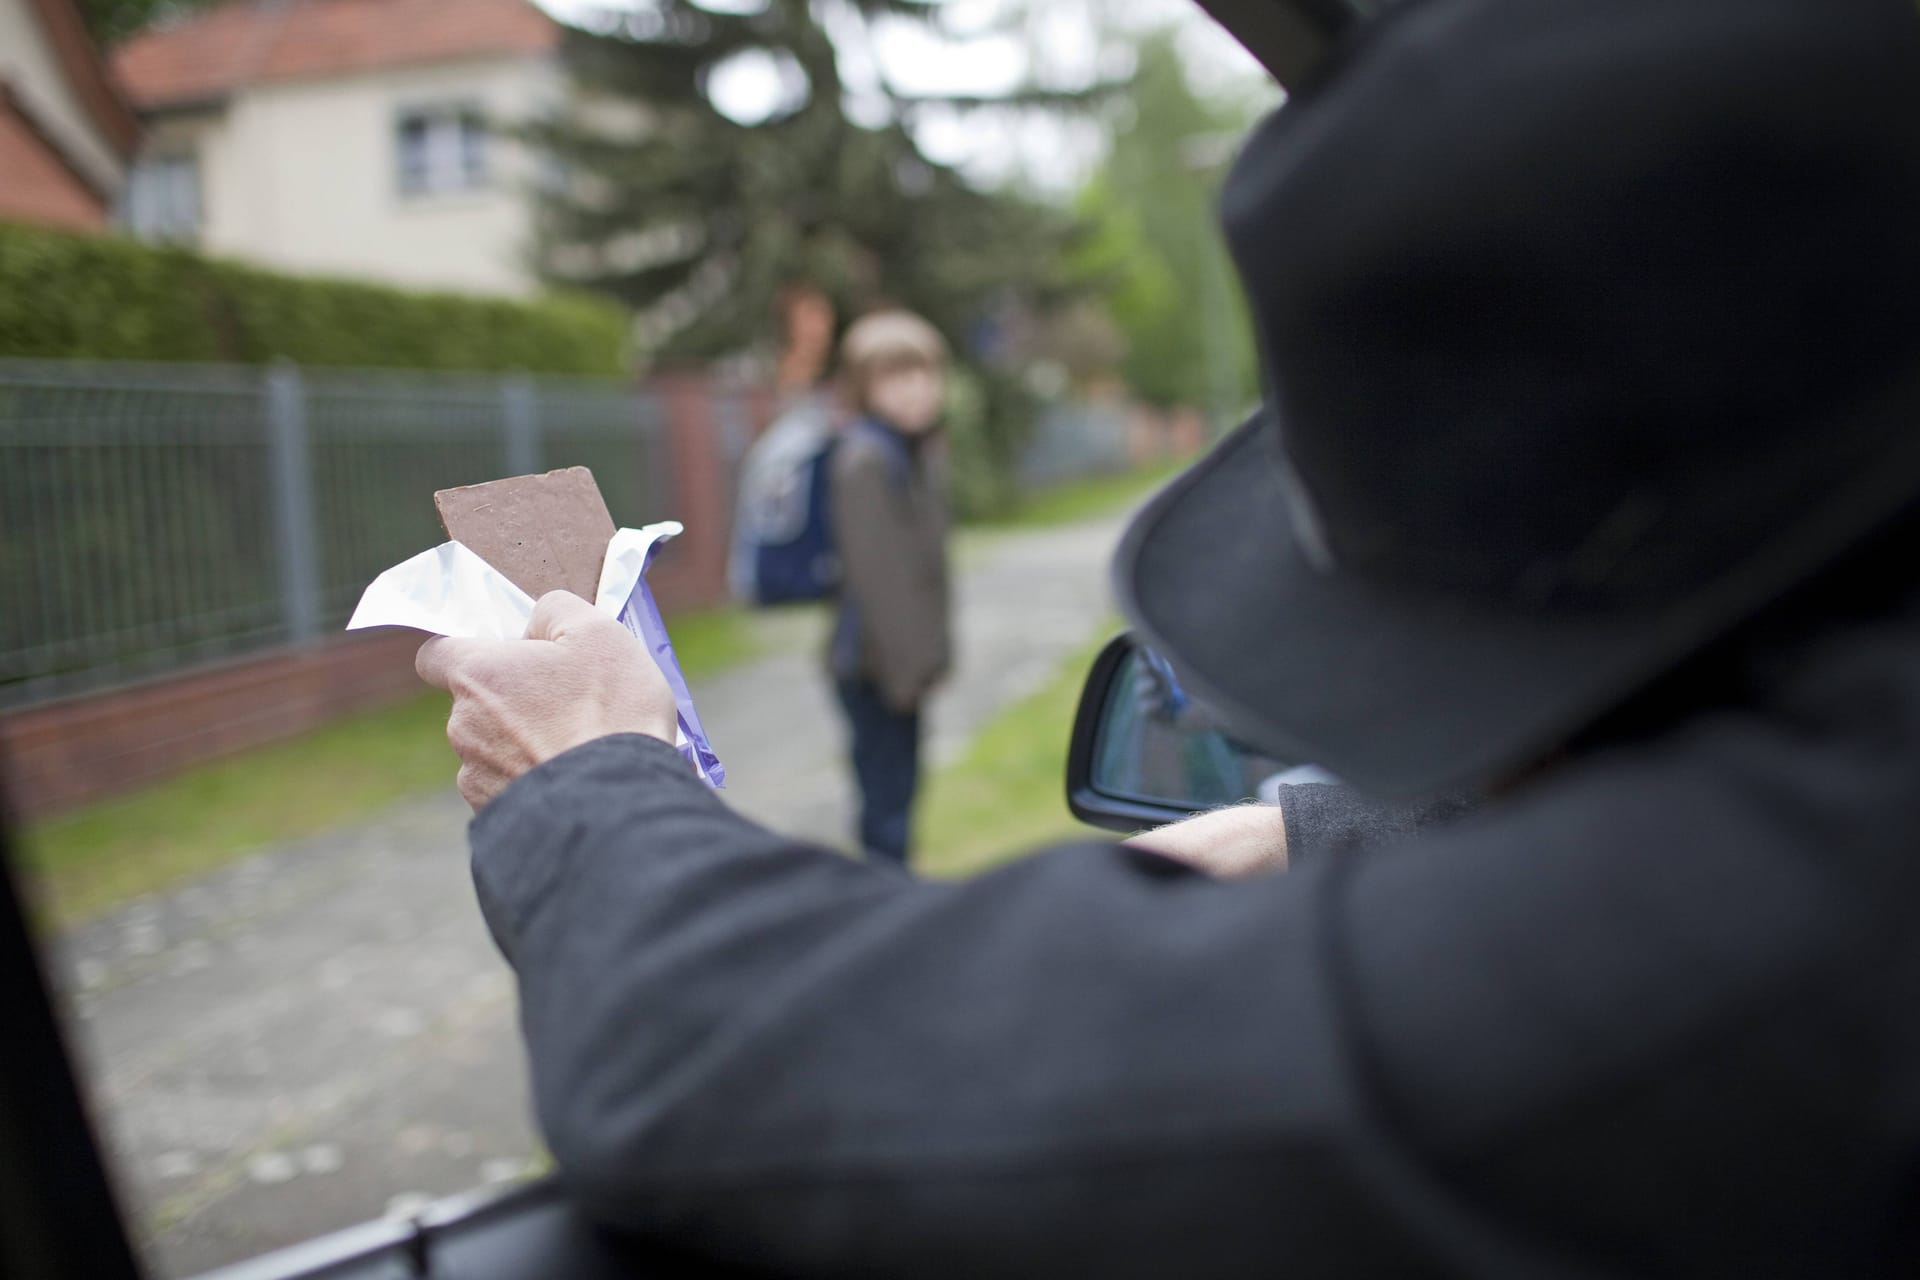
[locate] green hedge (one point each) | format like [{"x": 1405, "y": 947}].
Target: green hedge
[{"x": 104, "y": 298}]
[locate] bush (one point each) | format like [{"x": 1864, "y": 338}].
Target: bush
[{"x": 66, "y": 296}]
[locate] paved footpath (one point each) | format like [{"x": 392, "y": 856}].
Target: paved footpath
[{"x": 323, "y": 1033}]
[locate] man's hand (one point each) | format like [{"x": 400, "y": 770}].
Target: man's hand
[
  {"x": 1245, "y": 840},
  {"x": 579, "y": 675}
]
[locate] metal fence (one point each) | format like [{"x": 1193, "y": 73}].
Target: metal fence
[{"x": 156, "y": 517}]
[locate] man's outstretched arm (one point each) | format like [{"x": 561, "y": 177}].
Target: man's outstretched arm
[
  {"x": 1471, "y": 1059},
  {"x": 1094, "y": 1061},
  {"x": 1506, "y": 1051}
]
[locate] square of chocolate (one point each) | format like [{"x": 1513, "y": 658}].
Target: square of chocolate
[{"x": 543, "y": 532}]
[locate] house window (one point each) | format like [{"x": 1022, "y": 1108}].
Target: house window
[
  {"x": 161, "y": 200},
  {"x": 441, "y": 150}
]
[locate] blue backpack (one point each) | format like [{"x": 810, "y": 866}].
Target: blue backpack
[{"x": 783, "y": 551}]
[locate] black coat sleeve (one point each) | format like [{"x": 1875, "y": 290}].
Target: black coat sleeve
[
  {"x": 1501, "y": 1053},
  {"x": 1330, "y": 817}
]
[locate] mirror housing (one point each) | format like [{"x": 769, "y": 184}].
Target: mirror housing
[
  {"x": 1142, "y": 755},
  {"x": 1089, "y": 804}
]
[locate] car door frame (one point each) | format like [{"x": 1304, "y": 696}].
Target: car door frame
[{"x": 59, "y": 1216}]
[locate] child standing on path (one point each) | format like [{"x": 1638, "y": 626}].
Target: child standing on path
[{"x": 890, "y": 642}]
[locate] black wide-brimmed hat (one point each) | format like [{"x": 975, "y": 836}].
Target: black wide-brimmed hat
[{"x": 1591, "y": 327}]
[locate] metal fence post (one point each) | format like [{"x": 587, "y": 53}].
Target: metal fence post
[
  {"x": 521, "y": 414},
  {"x": 290, "y": 470},
  {"x": 730, "y": 415}
]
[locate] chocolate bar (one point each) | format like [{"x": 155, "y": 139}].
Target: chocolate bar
[{"x": 543, "y": 532}]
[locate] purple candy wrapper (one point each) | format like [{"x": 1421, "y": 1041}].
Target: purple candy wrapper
[{"x": 642, "y": 617}]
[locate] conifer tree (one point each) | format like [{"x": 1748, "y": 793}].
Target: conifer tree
[{"x": 698, "y": 220}]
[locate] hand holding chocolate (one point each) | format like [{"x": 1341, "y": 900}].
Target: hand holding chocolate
[{"x": 517, "y": 539}]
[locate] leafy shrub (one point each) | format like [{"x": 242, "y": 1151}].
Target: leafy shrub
[{"x": 65, "y": 296}]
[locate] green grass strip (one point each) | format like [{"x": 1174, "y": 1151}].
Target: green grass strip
[
  {"x": 1084, "y": 499},
  {"x": 1007, "y": 793}
]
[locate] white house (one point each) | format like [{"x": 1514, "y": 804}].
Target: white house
[
  {"x": 345, "y": 137},
  {"x": 65, "y": 132}
]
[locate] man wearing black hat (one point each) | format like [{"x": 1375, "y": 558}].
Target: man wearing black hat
[{"x": 1590, "y": 480}]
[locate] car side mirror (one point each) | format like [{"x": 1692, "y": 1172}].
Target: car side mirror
[{"x": 1143, "y": 755}]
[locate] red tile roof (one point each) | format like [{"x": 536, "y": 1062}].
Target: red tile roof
[{"x": 247, "y": 42}]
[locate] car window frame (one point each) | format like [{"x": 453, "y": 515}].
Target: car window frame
[
  {"x": 59, "y": 1211},
  {"x": 60, "y": 1214}
]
